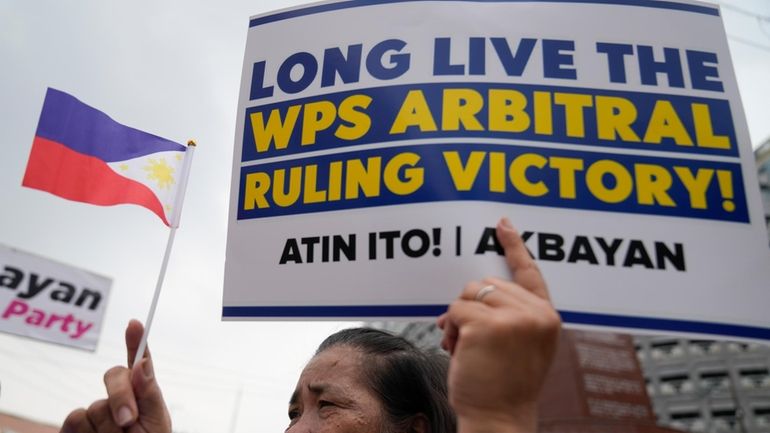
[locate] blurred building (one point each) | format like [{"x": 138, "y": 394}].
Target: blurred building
[
  {"x": 13, "y": 424},
  {"x": 762, "y": 158},
  {"x": 707, "y": 386}
]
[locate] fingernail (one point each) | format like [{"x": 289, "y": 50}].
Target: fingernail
[
  {"x": 124, "y": 416},
  {"x": 147, "y": 369},
  {"x": 505, "y": 222}
]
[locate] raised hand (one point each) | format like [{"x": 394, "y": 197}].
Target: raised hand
[
  {"x": 134, "y": 402},
  {"x": 502, "y": 335}
]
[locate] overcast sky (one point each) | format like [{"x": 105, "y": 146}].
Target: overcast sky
[{"x": 173, "y": 68}]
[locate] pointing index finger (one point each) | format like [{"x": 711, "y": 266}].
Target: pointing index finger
[{"x": 524, "y": 270}]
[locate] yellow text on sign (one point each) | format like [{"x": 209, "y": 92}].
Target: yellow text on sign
[
  {"x": 512, "y": 111},
  {"x": 276, "y": 128},
  {"x": 605, "y": 180},
  {"x": 346, "y": 180}
]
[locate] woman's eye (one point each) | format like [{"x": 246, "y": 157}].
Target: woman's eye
[
  {"x": 293, "y": 413},
  {"x": 325, "y": 403}
]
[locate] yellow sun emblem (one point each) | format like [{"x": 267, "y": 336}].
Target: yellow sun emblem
[{"x": 160, "y": 172}]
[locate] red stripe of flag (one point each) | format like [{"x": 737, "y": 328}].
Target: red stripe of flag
[{"x": 57, "y": 169}]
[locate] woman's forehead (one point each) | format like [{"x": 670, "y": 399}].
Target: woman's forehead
[
  {"x": 337, "y": 370},
  {"x": 337, "y": 360}
]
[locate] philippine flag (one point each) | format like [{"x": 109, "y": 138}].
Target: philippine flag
[{"x": 81, "y": 154}]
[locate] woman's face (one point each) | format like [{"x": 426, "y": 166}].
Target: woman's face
[{"x": 331, "y": 396}]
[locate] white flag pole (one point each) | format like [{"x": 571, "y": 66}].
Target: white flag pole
[{"x": 174, "y": 223}]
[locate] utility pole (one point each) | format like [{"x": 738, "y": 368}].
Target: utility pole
[{"x": 236, "y": 409}]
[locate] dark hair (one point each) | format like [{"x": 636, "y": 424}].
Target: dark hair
[{"x": 408, "y": 380}]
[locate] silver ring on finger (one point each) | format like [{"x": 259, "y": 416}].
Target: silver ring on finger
[{"x": 484, "y": 292}]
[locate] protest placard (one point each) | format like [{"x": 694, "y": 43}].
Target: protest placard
[
  {"x": 50, "y": 301},
  {"x": 377, "y": 144}
]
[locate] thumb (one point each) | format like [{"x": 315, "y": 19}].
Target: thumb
[{"x": 153, "y": 415}]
